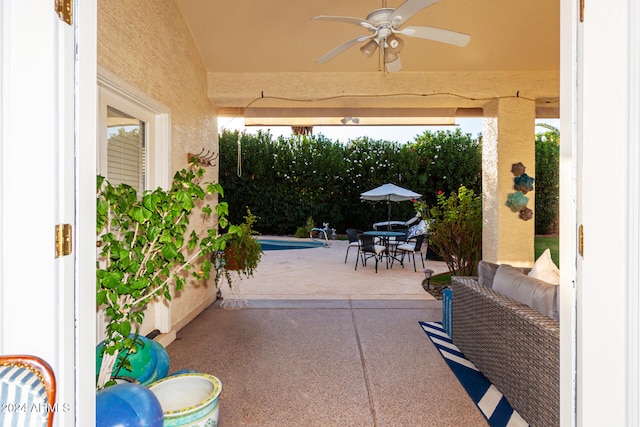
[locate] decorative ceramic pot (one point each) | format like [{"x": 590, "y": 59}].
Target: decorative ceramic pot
[
  {"x": 189, "y": 399},
  {"x": 128, "y": 404},
  {"x": 149, "y": 364}
]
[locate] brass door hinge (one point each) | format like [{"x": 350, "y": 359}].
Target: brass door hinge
[
  {"x": 581, "y": 10},
  {"x": 63, "y": 240},
  {"x": 64, "y": 9},
  {"x": 581, "y": 240}
]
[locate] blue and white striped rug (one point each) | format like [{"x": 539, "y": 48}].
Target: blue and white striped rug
[{"x": 491, "y": 403}]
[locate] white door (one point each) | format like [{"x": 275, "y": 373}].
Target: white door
[
  {"x": 48, "y": 178},
  {"x": 600, "y": 206}
]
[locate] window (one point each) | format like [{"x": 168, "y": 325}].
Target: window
[
  {"x": 125, "y": 149},
  {"x": 133, "y": 135}
]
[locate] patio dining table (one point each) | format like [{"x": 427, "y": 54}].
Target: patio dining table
[{"x": 385, "y": 237}]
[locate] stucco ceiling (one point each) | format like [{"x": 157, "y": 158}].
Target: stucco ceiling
[{"x": 253, "y": 47}]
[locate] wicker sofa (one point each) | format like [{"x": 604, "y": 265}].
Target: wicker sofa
[{"x": 514, "y": 345}]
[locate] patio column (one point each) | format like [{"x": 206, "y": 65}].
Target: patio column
[{"x": 508, "y": 137}]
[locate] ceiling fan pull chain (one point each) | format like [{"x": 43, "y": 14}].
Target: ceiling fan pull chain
[{"x": 239, "y": 168}]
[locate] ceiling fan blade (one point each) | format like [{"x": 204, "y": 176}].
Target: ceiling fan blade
[
  {"x": 348, "y": 19},
  {"x": 437, "y": 34},
  {"x": 407, "y": 9},
  {"x": 393, "y": 66},
  {"x": 391, "y": 59},
  {"x": 341, "y": 48}
]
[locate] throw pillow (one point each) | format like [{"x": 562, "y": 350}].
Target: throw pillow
[
  {"x": 417, "y": 229},
  {"x": 486, "y": 273},
  {"x": 535, "y": 293},
  {"x": 545, "y": 269}
]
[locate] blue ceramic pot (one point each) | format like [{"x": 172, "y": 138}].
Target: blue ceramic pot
[{"x": 128, "y": 405}]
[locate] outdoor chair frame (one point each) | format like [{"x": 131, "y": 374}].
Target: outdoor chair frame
[
  {"x": 369, "y": 249},
  {"x": 412, "y": 247},
  {"x": 352, "y": 234}
]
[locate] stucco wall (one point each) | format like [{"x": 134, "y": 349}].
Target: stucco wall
[{"x": 147, "y": 44}]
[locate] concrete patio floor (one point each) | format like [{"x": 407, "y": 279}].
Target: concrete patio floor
[
  {"x": 320, "y": 344},
  {"x": 321, "y": 273}
]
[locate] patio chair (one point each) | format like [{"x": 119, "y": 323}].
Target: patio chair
[
  {"x": 30, "y": 381},
  {"x": 412, "y": 247},
  {"x": 369, "y": 249},
  {"x": 394, "y": 242},
  {"x": 352, "y": 234}
]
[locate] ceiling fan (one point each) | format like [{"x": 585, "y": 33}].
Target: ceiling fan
[{"x": 384, "y": 26}]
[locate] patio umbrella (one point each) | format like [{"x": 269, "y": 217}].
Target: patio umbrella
[{"x": 390, "y": 193}]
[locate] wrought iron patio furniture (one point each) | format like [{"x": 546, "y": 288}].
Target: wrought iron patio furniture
[
  {"x": 412, "y": 247},
  {"x": 352, "y": 235},
  {"x": 369, "y": 249}
]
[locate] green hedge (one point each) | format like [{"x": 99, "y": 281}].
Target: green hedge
[
  {"x": 284, "y": 181},
  {"x": 547, "y": 183}
]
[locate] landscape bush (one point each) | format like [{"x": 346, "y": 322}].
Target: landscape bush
[
  {"x": 547, "y": 183},
  {"x": 287, "y": 180}
]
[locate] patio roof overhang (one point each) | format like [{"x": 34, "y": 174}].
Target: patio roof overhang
[
  {"x": 307, "y": 99},
  {"x": 261, "y": 60}
]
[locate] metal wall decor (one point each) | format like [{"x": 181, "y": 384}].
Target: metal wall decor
[
  {"x": 522, "y": 183},
  {"x": 204, "y": 158}
]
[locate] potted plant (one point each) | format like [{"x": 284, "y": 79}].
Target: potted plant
[
  {"x": 242, "y": 251},
  {"x": 147, "y": 248}
]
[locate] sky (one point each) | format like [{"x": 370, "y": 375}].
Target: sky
[{"x": 401, "y": 134}]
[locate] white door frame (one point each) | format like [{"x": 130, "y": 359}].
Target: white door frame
[
  {"x": 116, "y": 93},
  {"x": 600, "y": 192},
  {"x": 85, "y": 185},
  {"x": 47, "y": 83}
]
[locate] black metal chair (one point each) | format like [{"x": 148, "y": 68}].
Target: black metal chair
[
  {"x": 352, "y": 234},
  {"x": 412, "y": 247},
  {"x": 369, "y": 249}
]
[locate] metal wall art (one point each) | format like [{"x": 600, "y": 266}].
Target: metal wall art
[
  {"x": 204, "y": 158},
  {"x": 522, "y": 183}
]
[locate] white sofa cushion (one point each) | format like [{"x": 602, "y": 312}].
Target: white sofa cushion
[
  {"x": 545, "y": 269},
  {"x": 535, "y": 293}
]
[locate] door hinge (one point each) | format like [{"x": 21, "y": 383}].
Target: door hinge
[
  {"x": 581, "y": 240},
  {"x": 63, "y": 240},
  {"x": 581, "y": 10},
  {"x": 64, "y": 9}
]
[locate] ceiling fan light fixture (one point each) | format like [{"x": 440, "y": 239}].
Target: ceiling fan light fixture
[
  {"x": 348, "y": 120},
  {"x": 369, "y": 48},
  {"x": 394, "y": 44},
  {"x": 385, "y": 25}
]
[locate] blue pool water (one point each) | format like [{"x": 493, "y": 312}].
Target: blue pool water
[{"x": 274, "y": 245}]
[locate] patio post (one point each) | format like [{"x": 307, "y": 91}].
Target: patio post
[{"x": 508, "y": 137}]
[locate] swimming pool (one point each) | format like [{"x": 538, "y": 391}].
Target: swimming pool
[{"x": 277, "y": 244}]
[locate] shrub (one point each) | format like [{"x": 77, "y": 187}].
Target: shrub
[
  {"x": 547, "y": 181},
  {"x": 455, "y": 230},
  {"x": 305, "y": 230}
]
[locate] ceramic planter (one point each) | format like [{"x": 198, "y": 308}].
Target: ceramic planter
[{"x": 189, "y": 399}]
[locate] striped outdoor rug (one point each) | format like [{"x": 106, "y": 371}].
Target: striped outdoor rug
[{"x": 491, "y": 403}]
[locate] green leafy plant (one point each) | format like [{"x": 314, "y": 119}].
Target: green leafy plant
[
  {"x": 304, "y": 231},
  {"x": 455, "y": 229},
  {"x": 547, "y": 180},
  {"x": 147, "y": 248},
  {"x": 242, "y": 252},
  {"x": 314, "y": 176}
]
